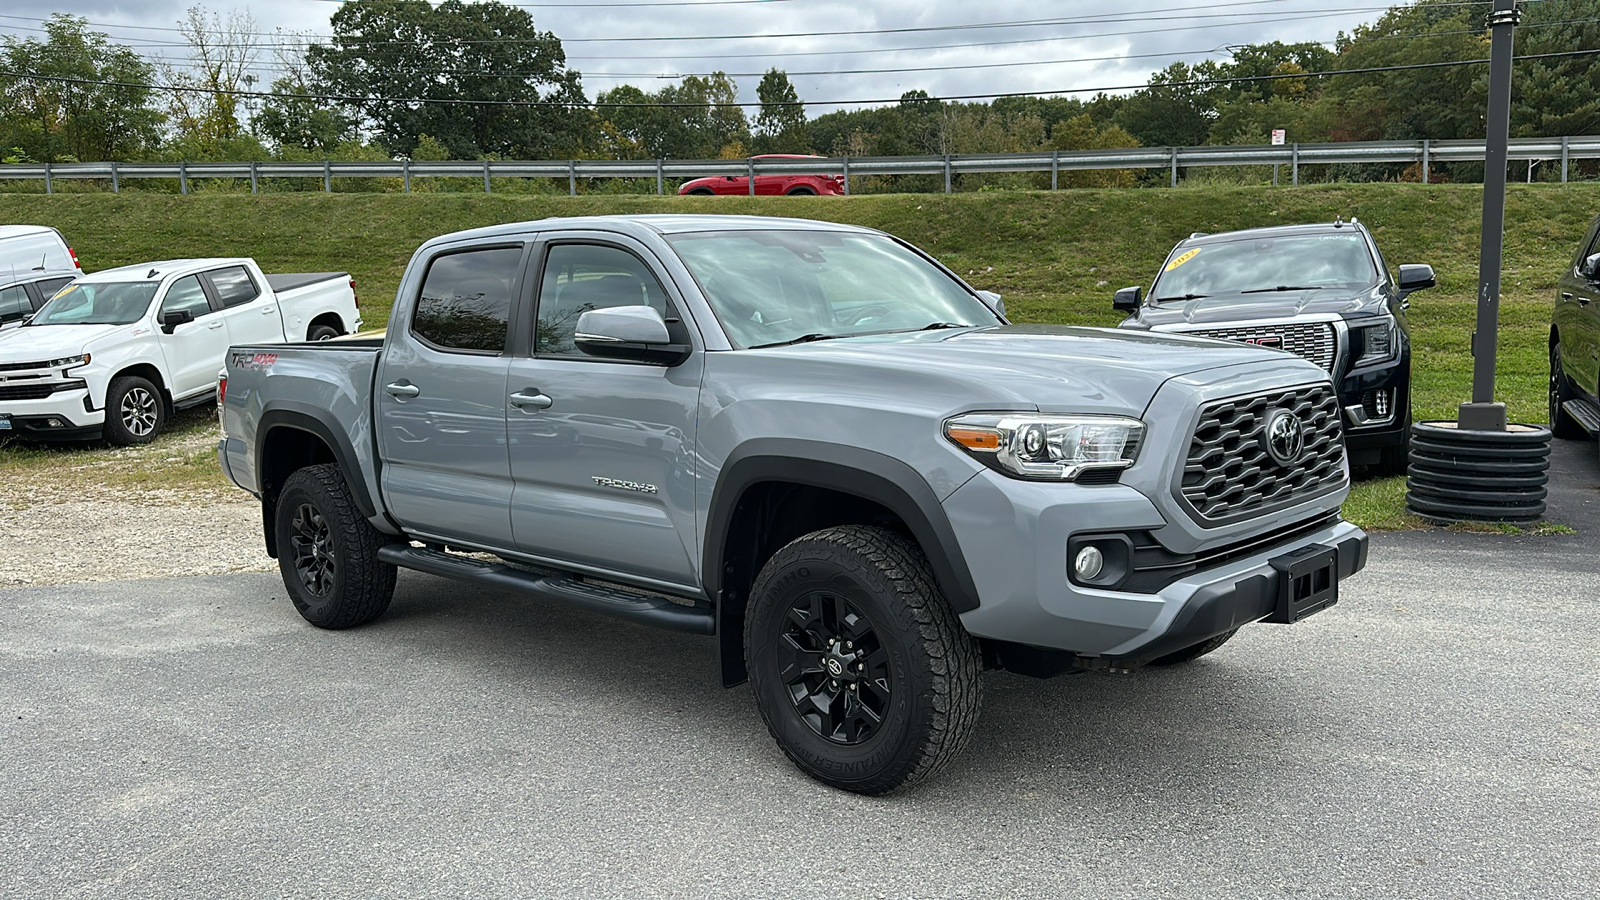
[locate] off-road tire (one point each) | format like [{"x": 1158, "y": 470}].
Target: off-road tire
[
  {"x": 1562, "y": 425},
  {"x": 355, "y": 587},
  {"x": 1194, "y": 652},
  {"x": 322, "y": 333},
  {"x": 928, "y": 693},
  {"x": 135, "y": 411}
]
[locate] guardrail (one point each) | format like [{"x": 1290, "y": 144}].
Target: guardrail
[{"x": 1427, "y": 153}]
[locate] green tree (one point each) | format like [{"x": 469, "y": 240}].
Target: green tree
[
  {"x": 295, "y": 117},
  {"x": 79, "y": 119},
  {"x": 205, "y": 103},
  {"x": 781, "y": 123},
  {"x": 699, "y": 118},
  {"x": 469, "y": 58}
]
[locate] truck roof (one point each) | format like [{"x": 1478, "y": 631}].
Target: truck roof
[
  {"x": 656, "y": 223},
  {"x": 11, "y": 231},
  {"x": 161, "y": 269}
]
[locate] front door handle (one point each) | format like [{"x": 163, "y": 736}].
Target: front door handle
[
  {"x": 402, "y": 390},
  {"x": 535, "y": 399}
]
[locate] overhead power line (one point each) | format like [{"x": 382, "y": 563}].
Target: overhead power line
[{"x": 1198, "y": 82}]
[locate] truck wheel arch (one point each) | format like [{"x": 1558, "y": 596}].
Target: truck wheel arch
[
  {"x": 293, "y": 435},
  {"x": 872, "y": 480},
  {"x": 150, "y": 373}
]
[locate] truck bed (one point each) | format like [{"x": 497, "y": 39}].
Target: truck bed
[{"x": 289, "y": 281}]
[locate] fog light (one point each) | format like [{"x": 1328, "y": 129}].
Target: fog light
[
  {"x": 1089, "y": 563},
  {"x": 53, "y": 423}
]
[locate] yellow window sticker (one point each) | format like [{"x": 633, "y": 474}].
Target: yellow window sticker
[{"x": 1181, "y": 259}]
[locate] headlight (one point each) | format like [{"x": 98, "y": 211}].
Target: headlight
[
  {"x": 1047, "y": 448},
  {"x": 69, "y": 361},
  {"x": 1377, "y": 342}
]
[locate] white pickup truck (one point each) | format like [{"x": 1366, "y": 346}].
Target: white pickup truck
[{"x": 115, "y": 353}]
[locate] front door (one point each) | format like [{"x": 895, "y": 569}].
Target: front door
[
  {"x": 194, "y": 350},
  {"x": 602, "y": 451},
  {"x": 441, "y": 410}
]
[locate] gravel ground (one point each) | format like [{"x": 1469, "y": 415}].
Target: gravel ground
[{"x": 63, "y": 525}]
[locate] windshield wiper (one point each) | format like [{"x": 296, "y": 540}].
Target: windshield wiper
[
  {"x": 935, "y": 326},
  {"x": 1283, "y": 287},
  {"x": 1184, "y": 297},
  {"x": 802, "y": 339}
]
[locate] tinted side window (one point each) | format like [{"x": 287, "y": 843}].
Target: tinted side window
[
  {"x": 14, "y": 303},
  {"x": 185, "y": 294},
  {"x": 234, "y": 286},
  {"x": 581, "y": 277},
  {"x": 466, "y": 300},
  {"x": 49, "y": 286}
]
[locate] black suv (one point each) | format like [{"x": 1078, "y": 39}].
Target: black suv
[
  {"x": 1575, "y": 344},
  {"x": 1319, "y": 291}
]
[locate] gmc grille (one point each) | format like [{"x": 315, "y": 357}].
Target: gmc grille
[
  {"x": 1229, "y": 473},
  {"x": 1311, "y": 340}
]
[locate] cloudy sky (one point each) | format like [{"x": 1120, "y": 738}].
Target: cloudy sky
[{"x": 835, "y": 51}]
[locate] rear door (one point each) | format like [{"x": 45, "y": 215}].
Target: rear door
[
  {"x": 250, "y": 311},
  {"x": 603, "y": 459},
  {"x": 45, "y": 288},
  {"x": 1577, "y": 318},
  {"x": 441, "y": 398},
  {"x": 194, "y": 350}
]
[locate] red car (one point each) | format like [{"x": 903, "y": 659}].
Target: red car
[{"x": 768, "y": 185}]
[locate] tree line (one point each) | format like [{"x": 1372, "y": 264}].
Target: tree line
[{"x": 406, "y": 79}]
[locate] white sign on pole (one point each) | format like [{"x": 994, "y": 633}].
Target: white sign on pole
[{"x": 1278, "y": 136}]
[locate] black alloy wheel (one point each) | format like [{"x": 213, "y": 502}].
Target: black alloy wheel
[
  {"x": 1562, "y": 425},
  {"x": 312, "y": 550},
  {"x": 837, "y": 670}
]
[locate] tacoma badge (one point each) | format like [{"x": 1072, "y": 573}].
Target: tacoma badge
[{"x": 624, "y": 485}]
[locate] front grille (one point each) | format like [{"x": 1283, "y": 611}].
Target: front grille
[
  {"x": 36, "y": 391},
  {"x": 1229, "y": 474},
  {"x": 23, "y": 367},
  {"x": 1311, "y": 340}
]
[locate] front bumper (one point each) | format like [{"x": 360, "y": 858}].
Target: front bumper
[
  {"x": 1026, "y": 596},
  {"x": 62, "y": 416}
]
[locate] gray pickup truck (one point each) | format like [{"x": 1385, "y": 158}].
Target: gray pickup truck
[{"x": 810, "y": 441}]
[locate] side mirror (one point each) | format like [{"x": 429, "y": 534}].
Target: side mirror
[
  {"x": 1590, "y": 267},
  {"x": 171, "y": 320},
  {"x": 1128, "y": 299},
  {"x": 628, "y": 332},
  {"x": 993, "y": 301},
  {"x": 1416, "y": 278}
]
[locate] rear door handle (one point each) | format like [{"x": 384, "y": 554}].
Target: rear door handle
[
  {"x": 1584, "y": 301},
  {"x": 536, "y": 399},
  {"x": 267, "y": 311},
  {"x": 402, "y": 390},
  {"x": 215, "y": 325}
]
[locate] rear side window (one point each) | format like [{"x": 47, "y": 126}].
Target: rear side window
[
  {"x": 466, "y": 300},
  {"x": 14, "y": 303},
  {"x": 49, "y": 286},
  {"x": 582, "y": 277},
  {"x": 185, "y": 295},
  {"x": 234, "y": 286}
]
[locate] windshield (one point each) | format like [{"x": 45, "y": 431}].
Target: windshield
[
  {"x": 116, "y": 303},
  {"x": 1267, "y": 265},
  {"x": 775, "y": 287}
]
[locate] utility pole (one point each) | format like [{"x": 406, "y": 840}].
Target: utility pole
[{"x": 1483, "y": 413}]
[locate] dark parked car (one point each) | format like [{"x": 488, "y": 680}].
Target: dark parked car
[
  {"x": 1575, "y": 344},
  {"x": 1319, "y": 291},
  {"x": 768, "y": 185},
  {"x": 21, "y": 297}
]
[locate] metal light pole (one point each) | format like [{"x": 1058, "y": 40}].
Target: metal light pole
[
  {"x": 1483, "y": 413},
  {"x": 1479, "y": 468}
]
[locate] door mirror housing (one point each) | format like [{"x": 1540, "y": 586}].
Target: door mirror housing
[
  {"x": 1416, "y": 278},
  {"x": 1590, "y": 267},
  {"x": 994, "y": 302},
  {"x": 171, "y": 320},
  {"x": 1128, "y": 299},
  {"x": 635, "y": 333}
]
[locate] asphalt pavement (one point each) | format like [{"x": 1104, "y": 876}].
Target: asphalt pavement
[{"x": 1432, "y": 735}]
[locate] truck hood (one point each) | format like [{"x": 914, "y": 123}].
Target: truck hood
[
  {"x": 1052, "y": 368},
  {"x": 1244, "y": 307},
  {"x": 45, "y": 342}
]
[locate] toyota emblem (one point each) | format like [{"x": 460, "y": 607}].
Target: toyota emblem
[{"x": 1285, "y": 437}]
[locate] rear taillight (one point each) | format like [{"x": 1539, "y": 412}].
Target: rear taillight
[
  {"x": 74, "y": 254},
  {"x": 222, "y": 388},
  {"x": 353, "y": 294}
]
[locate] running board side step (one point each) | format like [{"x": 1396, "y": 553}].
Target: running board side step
[
  {"x": 1586, "y": 414},
  {"x": 658, "y": 612}
]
